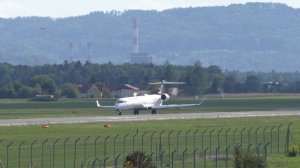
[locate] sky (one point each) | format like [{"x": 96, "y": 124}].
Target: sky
[{"x": 66, "y": 8}]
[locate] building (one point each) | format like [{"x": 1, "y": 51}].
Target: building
[
  {"x": 125, "y": 90},
  {"x": 90, "y": 91},
  {"x": 141, "y": 58}
]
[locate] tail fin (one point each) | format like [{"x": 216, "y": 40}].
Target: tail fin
[{"x": 163, "y": 83}]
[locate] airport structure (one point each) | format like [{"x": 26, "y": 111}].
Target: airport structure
[{"x": 136, "y": 56}]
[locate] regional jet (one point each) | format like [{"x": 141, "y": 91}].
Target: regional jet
[{"x": 151, "y": 102}]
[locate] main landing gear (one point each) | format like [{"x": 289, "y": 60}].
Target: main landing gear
[
  {"x": 153, "y": 111},
  {"x": 136, "y": 112}
]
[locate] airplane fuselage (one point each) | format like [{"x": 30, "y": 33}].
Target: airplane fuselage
[{"x": 138, "y": 102}]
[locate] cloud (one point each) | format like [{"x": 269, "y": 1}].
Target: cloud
[{"x": 12, "y": 9}]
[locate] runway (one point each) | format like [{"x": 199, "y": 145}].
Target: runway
[{"x": 145, "y": 117}]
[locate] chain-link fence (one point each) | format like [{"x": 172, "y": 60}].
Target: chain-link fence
[{"x": 210, "y": 147}]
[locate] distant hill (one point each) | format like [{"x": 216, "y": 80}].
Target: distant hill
[{"x": 254, "y": 36}]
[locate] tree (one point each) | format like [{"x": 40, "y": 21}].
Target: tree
[
  {"x": 70, "y": 91},
  {"x": 252, "y": 84},
  {"x": 229, "y": 84},
  {"x": 138, "y": 160},
  {"x": 47, "y": 84}
]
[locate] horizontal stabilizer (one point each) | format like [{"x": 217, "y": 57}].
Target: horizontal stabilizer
[
  {"x": 163, "y": 82},
  {"x": 98, "y": 105}
]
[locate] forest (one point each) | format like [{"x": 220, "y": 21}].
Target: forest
[{"x": 24, "y": 81}]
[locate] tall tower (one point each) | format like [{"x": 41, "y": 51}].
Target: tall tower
[
  {"x": 72, "y": 51},
  {"x": 90, "y": 51},
  {"x": 135, "y": 40}
]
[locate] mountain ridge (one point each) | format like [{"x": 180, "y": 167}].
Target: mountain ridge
[{"x": 252, "y": 36}]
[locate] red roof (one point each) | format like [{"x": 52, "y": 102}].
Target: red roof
[{"x": 124, "y": 86}]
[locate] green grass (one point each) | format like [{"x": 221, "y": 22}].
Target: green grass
[
  {"x": 16, "y": 134},
  {"x": 83, "y": 107}
]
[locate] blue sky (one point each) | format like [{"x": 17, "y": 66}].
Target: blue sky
[{"x": 65, "y": 8}]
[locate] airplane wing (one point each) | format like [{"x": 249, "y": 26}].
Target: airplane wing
[
  {"x": 98, "y": 105},
  {"x": 178, "y": 105}
]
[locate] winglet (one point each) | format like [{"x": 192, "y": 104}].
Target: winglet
[
  {"x": 98, "y": 104},
  {"x": 201, "y": 101}
]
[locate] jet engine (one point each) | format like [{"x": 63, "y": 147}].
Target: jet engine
[{"x": 165, "y": 97}]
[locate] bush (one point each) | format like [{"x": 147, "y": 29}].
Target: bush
[
  {"x": 243, "y": 159},
  {"x": 293, "y": 150},
  {"x": 138, "y": 159}
]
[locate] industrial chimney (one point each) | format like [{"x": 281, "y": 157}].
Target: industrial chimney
[{"x": 135, "y": 40}]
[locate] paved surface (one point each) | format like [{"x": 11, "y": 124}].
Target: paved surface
[{"x": 144, "y": 117}]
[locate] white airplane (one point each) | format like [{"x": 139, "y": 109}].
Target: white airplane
[{"x": 151, "y": 102}]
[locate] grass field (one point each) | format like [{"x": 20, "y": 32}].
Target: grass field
[
  {"x": 92, "y": 130},
  {"x": 87, "y": 107},
  {"x": 88, "y": 132}
]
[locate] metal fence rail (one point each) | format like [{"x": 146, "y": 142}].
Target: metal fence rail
[{"x": 209, "y": 147}]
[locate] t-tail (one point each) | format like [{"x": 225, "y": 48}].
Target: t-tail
[{"x": 163, "y": 83}]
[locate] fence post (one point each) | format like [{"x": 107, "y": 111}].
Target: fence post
[
  {"x": 169, "y": 143},
  {"x": 183, "y": 157},
  {"x": 194, "y": 138},
  {"x": 204, "y": 157},
  {"x": 31, "y": 146},
  {"x": 7, "y": 152},
  {"x": 272, "y": 138},
  {"x": 75, "y": 143},
  {"x": 20, "y": 153},
  {"x": 105, "y": 145},
  {"x": 186, "y": 138},
  {"x": 124, "y": 149},
  {"x": 161, "y": 158},
  {"x": 278, "y": 138},
  {"x": 172, "y": 162},
  {"x": 219, "y": 136},
  {"x": 226, "y": 143},
  {"x": 217, "y": 154},
  {"x": 116, "y": 160},
  {"x": 257, "y": 149},
  {"x": 248, "y": 148},
  {"x": 94, "y": 162},
  {"x": 177, "y": 137},
  {"x": 152, "y": 139},
  {"x": 287, "y": 139},
  {"x": 264, "y": 135},
  {"x": 234, "y": 135},
  {"x": 256, "y": 135},
  {"x": 86, "y": 139},
  {"x": 242, "y": 138},
  {"x": 226, "y": 153},
  {"x": 249, "y": 131},
  {"x": 202, "y": 139},
  {"x": 43, "y": 152},
  {"x": 266, "y": 153},
  {"x": 194, "y": 158},
  {"x": 143, "y": 140},
  {"x": 210, "y": 142},
  {"x": 115, "y": 138},
  {"x": 133, "y": 137},
  {"x": 53, "y": 163},
  {"x": 65, "y": 151},
  {"x": 95, "y": 149},
  {"x": 160, "y": 143},
  {"x": 104, "y": 161}
]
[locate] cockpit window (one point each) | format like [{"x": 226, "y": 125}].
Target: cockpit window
[{"x": 121, "y": 101}]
